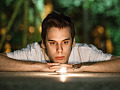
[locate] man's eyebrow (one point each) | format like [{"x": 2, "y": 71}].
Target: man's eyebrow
[
  {"x": 66, "y": 39},
  {"x": 51, "y": 40},
  {"x": 62, "y": 40}
]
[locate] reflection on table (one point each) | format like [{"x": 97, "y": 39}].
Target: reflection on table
[{"x": 53, "y": 81}]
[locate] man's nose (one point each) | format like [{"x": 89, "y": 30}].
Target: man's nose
[{"x": 59, "y": 48}]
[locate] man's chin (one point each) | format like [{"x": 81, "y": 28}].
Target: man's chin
[{"x": 60, "y": 61}]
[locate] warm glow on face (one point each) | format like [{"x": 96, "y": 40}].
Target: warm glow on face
[{"x": 58, "y": 44}]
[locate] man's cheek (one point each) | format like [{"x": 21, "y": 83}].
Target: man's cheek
[{"x": 68, "y": 49}]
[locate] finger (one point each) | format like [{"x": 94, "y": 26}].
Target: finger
[
  {"x": 70, "y": 70},
  {"x": 50, "y": 64},
  {"x": 51, "y": 70},
  {"x": 54, "y": 67},
  {"x": 66, "y": 65}
]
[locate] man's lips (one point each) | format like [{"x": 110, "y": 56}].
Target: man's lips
[{"x": 59, "y": 57}]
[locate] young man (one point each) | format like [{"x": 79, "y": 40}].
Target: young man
[{"x": 58, "y": 49}]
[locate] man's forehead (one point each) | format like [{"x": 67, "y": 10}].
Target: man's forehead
[
  {"x": 58, "y": 29},
  {"x": 58, "y": 33}
]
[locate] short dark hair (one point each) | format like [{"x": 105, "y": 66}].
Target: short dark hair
[{"x": 56, "y": 19}]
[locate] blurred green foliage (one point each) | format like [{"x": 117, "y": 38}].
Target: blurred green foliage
[
  {"x": 100, "y": 12},
  {"x": 86, "y": 14}
]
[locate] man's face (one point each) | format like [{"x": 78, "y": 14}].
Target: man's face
[{"x": 59, "y": 44}]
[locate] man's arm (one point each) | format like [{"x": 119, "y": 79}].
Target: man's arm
[
  {"x": 112, "y": 65},
  {"x": 8, "y": 64}
]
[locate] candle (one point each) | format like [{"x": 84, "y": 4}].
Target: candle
[{"x": 62, "y": 71}]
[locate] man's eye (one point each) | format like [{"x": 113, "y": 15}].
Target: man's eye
[
  {"x": 65, "y": 42},
  {"x": 52, "y": 43}
]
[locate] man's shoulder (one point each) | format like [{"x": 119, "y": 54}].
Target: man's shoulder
[
  {"x": 33, "y": 45},
  {"x": 30, "y": 47},
  {"x": 32, "y": 52},
  {"x": 84, "y": 45}
]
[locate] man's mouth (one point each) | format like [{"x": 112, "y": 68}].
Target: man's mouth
[{"x": 59, "y": 57}]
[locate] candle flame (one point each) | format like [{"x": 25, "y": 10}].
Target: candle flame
[{"x": 63, "y": 70}]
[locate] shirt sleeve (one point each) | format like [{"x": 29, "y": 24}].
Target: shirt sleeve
[
  {"x": 89, "y": 53},
  {"x": 31, "y": 53}
]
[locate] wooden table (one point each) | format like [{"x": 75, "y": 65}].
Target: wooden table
[{"x": 53, "y": 81}]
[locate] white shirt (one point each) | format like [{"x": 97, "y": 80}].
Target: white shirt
[{"x": 80, "y": 53}]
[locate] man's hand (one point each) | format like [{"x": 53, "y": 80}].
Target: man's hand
[
  {"x": 44, "y": 67},
  {"x": 57, "y": 66}
]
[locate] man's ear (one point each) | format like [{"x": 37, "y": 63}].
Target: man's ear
[
  {"x": 73, "y": 45},
  {"x": 42, "y": 44}
]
